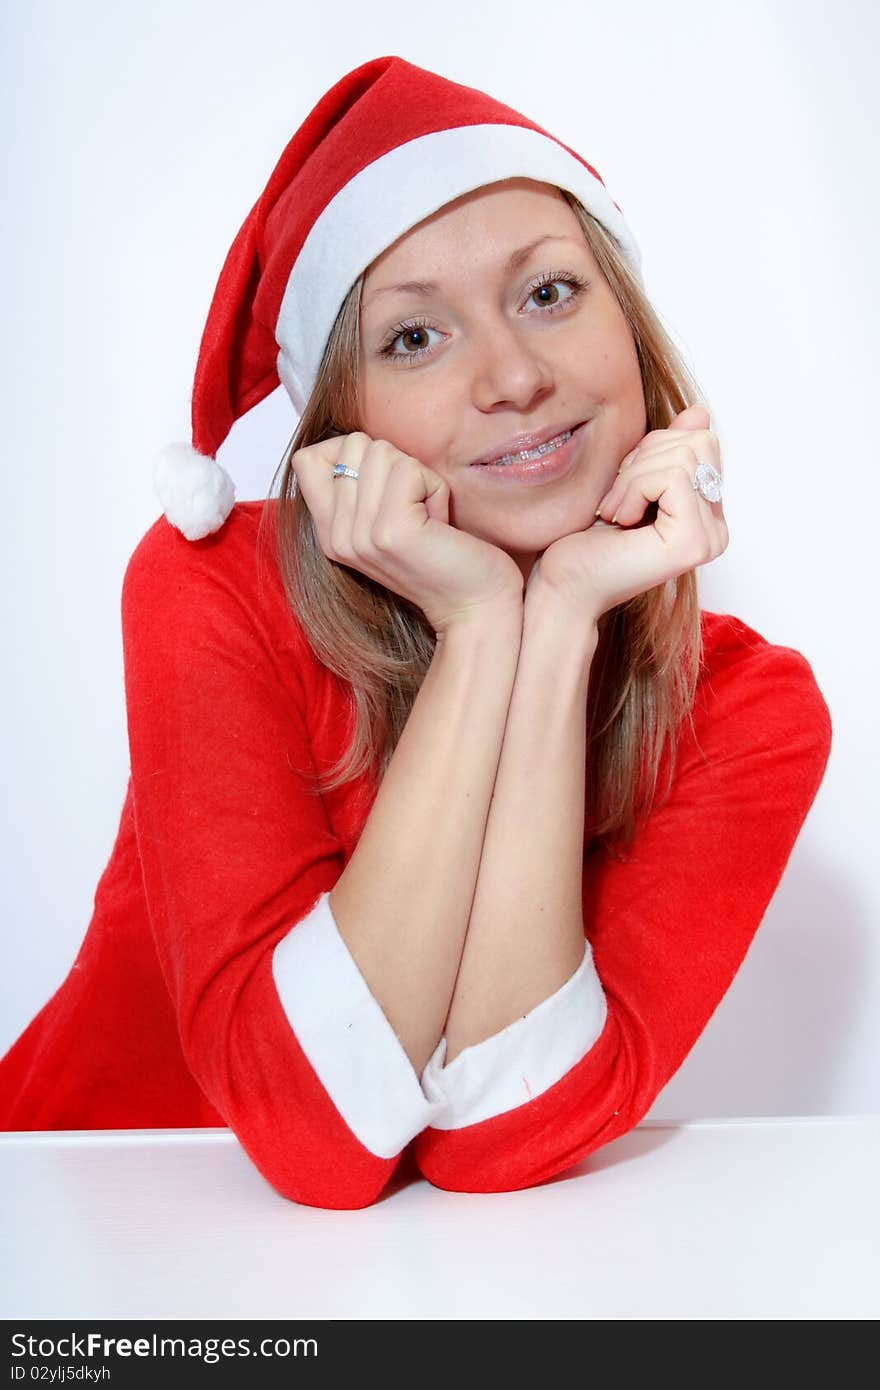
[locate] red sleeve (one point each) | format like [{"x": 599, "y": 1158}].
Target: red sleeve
[
  {"x": 670, "y": 925},
  {"x": 236, "y": 851}
]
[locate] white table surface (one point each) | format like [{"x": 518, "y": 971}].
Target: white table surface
[{"x": 744, "y": 1219}]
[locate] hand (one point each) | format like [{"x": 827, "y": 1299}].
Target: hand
[
  {"x": 617, "y": 558},
  {"x": 392, "y": 524}
]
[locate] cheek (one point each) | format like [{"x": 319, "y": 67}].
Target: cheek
[
  {"x": 620, "y": 364},
  {"x": 376, "y": 407},
  {"x": 409, "y": 417},
  {"x": 624, "y": 391},
  {"x": 610, "y": 346}
]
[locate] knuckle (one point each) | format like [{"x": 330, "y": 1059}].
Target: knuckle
[
  {"x": 703, "y": 551},
  {"x": 685, "y": 456},
  {"x": 711, "y": 451},
  {"x": 382, "y": 448},
  {"x": 339, "y": 538},
  {"x": 403, "y": 462},
  {"x": 695, "y": 547},
  {"x": 354, "y": 448},
  {"x": 384, "y": 530},
  {"x": 680, "y": 475},
  {"x": 382, "y": 535}
]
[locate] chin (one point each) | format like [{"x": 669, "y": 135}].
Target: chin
[
  {"x": 575, "y": 521},
  {"x": 535, "y": 533}
]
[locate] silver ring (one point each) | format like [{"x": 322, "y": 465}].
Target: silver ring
[
  {"x": 341, "y": 471},
  {"x": 707, "y": 482}
]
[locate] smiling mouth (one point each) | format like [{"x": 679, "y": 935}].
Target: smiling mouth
[{"x": 526, "y": 455}]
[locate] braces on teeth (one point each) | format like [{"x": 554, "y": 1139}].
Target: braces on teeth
[{"x": 527, "y": 454}]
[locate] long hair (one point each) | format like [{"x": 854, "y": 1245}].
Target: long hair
[{"x": 644, "y": 672}]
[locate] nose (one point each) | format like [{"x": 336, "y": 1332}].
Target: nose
[{"x": 509, "y": 366}]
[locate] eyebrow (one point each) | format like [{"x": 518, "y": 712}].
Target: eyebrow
[{"x": 513, "y": 262}]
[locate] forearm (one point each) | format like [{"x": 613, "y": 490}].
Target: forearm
[
  {"x": 525, "y": 936},
  {"x": 403, "y": 901}
]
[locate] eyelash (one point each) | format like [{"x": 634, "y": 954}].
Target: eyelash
[{"x": 551, "y": 277}]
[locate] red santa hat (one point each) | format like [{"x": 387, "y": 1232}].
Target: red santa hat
[{"x": 384, "y": 148}]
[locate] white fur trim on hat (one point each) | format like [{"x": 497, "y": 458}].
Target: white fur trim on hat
[{"x": 196, "y": 493}]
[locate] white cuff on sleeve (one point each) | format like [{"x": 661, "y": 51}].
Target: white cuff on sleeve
[
  {"x": 341, "y": 1028},
  {"x": 525, "y": 1059}
]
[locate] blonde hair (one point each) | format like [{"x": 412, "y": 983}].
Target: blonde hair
[{"x": 644, "y": 672}]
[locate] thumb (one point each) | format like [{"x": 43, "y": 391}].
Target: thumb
[
  {"x": 436, "y": 501},
  {"x": 694, "y": 417}
]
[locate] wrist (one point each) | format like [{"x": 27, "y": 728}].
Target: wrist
[
  {"x": 492, "y": 620},
  {"x": 548, "y": 610}
]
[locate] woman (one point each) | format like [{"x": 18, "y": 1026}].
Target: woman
[{"x": 451, "y": 817}]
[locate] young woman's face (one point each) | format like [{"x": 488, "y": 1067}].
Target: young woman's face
[{"x": 492, "y": 352}]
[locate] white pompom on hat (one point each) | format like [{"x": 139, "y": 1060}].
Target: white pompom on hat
[
  {"x": 383, "y": 149},
  {"x": 195, "y": 491}
]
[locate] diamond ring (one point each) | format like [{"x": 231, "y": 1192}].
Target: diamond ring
[
  {"x": 707, "y": 482},
  {"x": 341, "y": 471}
]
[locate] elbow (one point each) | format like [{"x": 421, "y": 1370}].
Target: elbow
[
  {"x": 341, "y": 1183},
  {"x": 521, "y": 1162},
  {"x": 310, "y": 1162},
  {"x": 458, "y": 1161},
  {"x": 451, "y": 1176},
  {"x": 496, "y": 1170},
  {"x": 597, "y": 1101},
  {"x": 344, "y": 1195},
  {"x": 286, "y": 1123}
]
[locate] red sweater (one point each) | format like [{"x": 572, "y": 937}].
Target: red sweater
[{"x": 212, "y": 986}]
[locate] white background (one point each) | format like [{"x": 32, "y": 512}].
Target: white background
[{"x": 740, "y": 141}]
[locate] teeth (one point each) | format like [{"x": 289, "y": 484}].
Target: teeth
[{"x": 527, "y": 454}]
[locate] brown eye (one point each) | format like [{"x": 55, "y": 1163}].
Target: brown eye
[
  {"x": 549, "y": 294},
  {"x": 411, "y": 334},
  {"x": 416, "y": 340}
]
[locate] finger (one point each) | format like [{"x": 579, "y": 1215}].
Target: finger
[
  {"x": 414, "y": 495},
  {"x": 354, "y": 498},
  {"x": 668, "y": 451},
  {"x": 675, "y": 454},
  {"x": 381, "y": 504},
  {"x": 313, "y": 469},
  {"x": 720, "y": 535},
  {"x": 695, "y": 418},
  {"x": 683, "y": 521},
  {"x": 703, "y": 444},
  {"x": 671, "y": 488},
  {"x": 620, "y": 507}
]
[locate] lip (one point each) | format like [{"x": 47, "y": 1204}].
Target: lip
[
  {"x": 520, "y": 442},
  {"x": 548, "y": 468}
]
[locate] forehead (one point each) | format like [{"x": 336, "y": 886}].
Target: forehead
[{"x": 499, "y": 215}]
